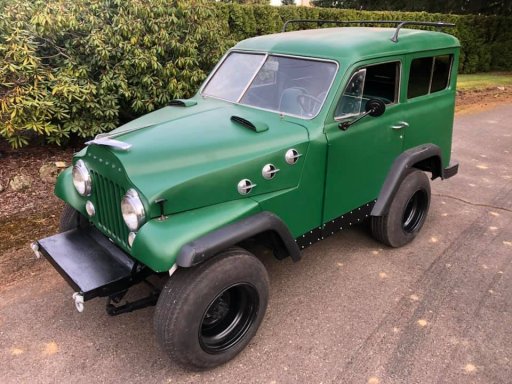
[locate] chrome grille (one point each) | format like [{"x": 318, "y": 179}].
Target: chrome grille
[{"x": 108, "y": 197}]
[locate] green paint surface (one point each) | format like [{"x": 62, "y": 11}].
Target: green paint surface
[{"x": 193, "y": 157}]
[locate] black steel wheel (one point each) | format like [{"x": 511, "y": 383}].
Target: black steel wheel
[
  {"x": 207, "y": 314},
  {"x": 407, "y": 212},
  {"x": 414, "y": 212},
  {"x": 228, "y": 318}
]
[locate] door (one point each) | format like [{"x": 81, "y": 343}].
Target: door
[
  {"x": 430, "y": 100},
  {"x": 359, "y": 158}
]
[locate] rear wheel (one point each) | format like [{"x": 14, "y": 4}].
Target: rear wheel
[
  {"x": 208, "y": 314},
  {"x": 407, "y": 212}
]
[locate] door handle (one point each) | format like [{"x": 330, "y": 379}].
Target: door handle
[{"x": 400, "y": 125}]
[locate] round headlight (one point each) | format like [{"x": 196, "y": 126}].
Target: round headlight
[
  {"x": 89, "y": 207},
  {"x": 82, "y": 178},
  {"x": 132, "y": 210}
]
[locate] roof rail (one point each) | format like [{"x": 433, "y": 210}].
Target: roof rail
[{"x": 398, "y": 23}]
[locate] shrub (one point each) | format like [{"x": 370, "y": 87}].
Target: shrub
[
  {"x": 485, "y": 39},
  {"x": 84, "y": 66},
  {"x": 81, "y": 67}
]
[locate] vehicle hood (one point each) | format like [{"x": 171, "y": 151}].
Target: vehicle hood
[{"x": 195, "y": 156}]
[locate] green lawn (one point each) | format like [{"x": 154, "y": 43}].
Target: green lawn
[{"x": 484, "y": 80}]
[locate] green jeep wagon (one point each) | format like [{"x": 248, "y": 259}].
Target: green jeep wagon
[{"x": 293, "y": 137}]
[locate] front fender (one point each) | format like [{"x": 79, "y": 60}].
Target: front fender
[
  {"x": 159, "y": 242},
  {"x": 207, "y": 246},
  {"x": 65, "y": 191}
]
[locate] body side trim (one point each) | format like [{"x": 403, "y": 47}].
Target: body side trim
[{"x": 347, "y": 220}]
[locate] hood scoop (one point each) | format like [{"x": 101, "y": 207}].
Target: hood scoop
[
  {"x": 255, "y": 126},
  {"x": 182, "y": 103},
  {"x": 108, "y": 142}
]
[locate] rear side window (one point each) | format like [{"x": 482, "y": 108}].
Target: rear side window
[
  {"x": 441, "y": 74},
  {"x": 428, "y": 75}
]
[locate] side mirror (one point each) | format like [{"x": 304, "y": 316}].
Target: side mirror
[{"x": 375, "y": 107}]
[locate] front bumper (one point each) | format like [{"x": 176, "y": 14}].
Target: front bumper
[{"x": 90, "y": 263}]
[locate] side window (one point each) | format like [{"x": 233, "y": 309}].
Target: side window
[
  {"x": 428, "y": 75},
  {"x": 441, "y": 74},
  {"x": 379, "y": 81},
  {"x": 350, "y": 103},
  {"x": 419, "y": 77}
]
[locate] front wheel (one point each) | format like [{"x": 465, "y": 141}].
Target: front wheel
[
  {"x": 407, "y": 212},
  {"x": 207, "y": 314},
  {"x": 70, "y": 218}
]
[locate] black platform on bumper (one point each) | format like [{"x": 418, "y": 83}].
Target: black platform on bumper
[{"x": 89, "y": 262}]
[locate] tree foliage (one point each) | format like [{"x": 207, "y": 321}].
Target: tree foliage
[
  {"x": 83, "y": 67},
  {"x": 484, "y": 7},
  {"x": 262, "y": 2}
]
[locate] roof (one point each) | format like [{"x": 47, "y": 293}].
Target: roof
[{"x": 349, "y": 42}]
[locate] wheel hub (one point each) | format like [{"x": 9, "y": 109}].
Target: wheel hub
[
  {"x": 414, "y": 211},
  {"x": 217, "y": 311},
  {"x": 228, "y": 318}
]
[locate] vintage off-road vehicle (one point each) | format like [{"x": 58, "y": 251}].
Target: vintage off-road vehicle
[{"x": 293, "y": 137}]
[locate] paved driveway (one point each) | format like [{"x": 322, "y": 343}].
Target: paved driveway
[{"x": 352, "y": 311}]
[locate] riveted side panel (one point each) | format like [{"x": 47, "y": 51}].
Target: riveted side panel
[{"x": 335, "y": 225}]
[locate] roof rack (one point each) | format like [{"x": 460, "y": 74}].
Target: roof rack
[{"x": 398, "y": 23}]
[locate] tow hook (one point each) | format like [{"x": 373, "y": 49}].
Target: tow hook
[
  {"x": 35, "y": 248},
  {"x": 79, "y": 301}
]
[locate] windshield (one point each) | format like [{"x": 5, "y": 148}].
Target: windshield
[{"x": 293, "y": 86}]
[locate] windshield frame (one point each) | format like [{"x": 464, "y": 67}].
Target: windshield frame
[{"x": 267, "y": 54}]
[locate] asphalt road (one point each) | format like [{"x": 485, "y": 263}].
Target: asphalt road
[{"x": 352, "y": 311}]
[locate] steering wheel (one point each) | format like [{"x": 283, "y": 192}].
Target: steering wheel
[{"x": 308, "y": 103}]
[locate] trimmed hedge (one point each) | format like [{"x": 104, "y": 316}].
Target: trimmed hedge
[
  {"x": 81, "y": 67},
  {"x": 486, "y": 40}
]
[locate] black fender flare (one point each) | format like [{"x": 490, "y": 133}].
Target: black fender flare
[
  {"x": 407, "y": 160},
  {"x": 207, "y": 246}
]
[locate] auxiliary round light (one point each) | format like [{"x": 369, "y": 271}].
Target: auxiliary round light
[
  {"x": 89, "y": 207},
  {"x": 131, "y": 238},
  {"x": 132, "y": 210},
  {"x": 82, "y": 178}
]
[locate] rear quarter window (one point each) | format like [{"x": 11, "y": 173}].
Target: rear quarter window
[{"x": 428, "y": 75}]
